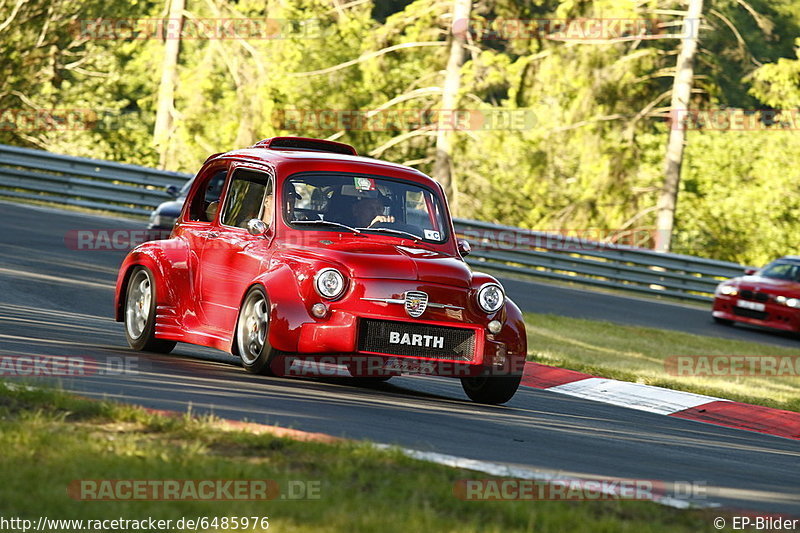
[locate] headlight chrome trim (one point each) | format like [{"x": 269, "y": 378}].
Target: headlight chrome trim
[
  {"x": 482, "y": 291},
  {"x": 342, "y": 283}
]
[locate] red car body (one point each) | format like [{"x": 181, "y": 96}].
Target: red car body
[
  {"x": 197, "y": 282},
  {"x": 769, "y": 297}
]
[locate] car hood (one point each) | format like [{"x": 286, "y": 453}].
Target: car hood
[
  {"x": 372, "y": 259},
  {"x": 769, "y": 285}
]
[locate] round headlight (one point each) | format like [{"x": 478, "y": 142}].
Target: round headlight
[
  {"x": 329, "y": 283},
  {"x": 793, "y": 302},
  {"x": 491, "y": 297}
]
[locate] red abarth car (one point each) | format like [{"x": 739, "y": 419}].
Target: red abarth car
[
  {"x": 769, "y": 297},
  {"x": 312, "y": 254}
]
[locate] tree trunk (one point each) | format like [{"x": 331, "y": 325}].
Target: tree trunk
[
  {"x": 169, "y": 78},
  {"x": 443, "y": 167},
  {"x": 681, "y": 92}
]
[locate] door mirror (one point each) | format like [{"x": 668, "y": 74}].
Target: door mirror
[
  {"x": 172, "y": 190},
  {"x": 256, "y": 227},
  {"x": 463, "y": 247},
  {"x": 749, "y": 271}
]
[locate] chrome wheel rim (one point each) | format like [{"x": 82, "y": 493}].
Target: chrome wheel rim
[
  {"x": 137, "y": 308},
  {"x": 252, "y": 329}
]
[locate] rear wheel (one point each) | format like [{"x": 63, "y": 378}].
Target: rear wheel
[
  {"x": 491, "y": 389},
  {"x": 252, "y": 333},
  {"x": 140, "y": 313}
]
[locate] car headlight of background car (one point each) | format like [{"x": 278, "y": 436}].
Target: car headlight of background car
[
  {"x": 491, "y": 297},
  {"x": 329, "y": 283},
  {"x": 788, "y": 302},
  {"x": 727, "y": 290}
]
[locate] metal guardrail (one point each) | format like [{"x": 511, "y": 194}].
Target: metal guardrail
[
  {"x": 91, "y": 183},
  {"x": 602, "y": 264},
  {"x": 130, "y": 189}
]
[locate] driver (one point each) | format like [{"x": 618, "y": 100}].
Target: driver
[
  {"x": 289, "y": 200},
  {"x": 368, "y": 212}
]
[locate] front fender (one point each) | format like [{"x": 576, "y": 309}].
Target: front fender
[
  {"x": 515, "y": 337},
  {"x": 161, "y": 261},
  {"x": 288, "y": 310}
]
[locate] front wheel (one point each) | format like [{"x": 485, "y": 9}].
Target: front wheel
[
  {"x": 491, "y": 389},
  {"x": 723, "y": 321},
  {"x": 252, "y": 333},
  {"x": 140, "y": 313}
]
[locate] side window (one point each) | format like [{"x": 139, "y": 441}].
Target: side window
[
  {"x": 249, "y": 196},
  {"x": 205, "y": 203}
]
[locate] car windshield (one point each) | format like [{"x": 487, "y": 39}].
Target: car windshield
[
  {"x": 785, "y": 270},
  {"x": 364, "y": 203}
]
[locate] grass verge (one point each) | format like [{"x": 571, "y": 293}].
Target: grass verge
[
  {"x": 50, "y": 439},
  {"x": 638, "y": 354}
]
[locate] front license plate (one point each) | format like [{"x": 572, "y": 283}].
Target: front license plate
[
  {"x": 755, "y": 306},
  {"x": 407, "y": 366},
  {"x": 411, "y": 339}
]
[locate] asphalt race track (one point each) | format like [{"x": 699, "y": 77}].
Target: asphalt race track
[{"x": 58, "y": 301}]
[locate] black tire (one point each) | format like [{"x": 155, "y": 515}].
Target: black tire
[
  {"x": 491, "y": 389},
  {"x": 140, "y": 313},
  {"x": 723, "y": 321},
  {"x": 252, "y": 333}
]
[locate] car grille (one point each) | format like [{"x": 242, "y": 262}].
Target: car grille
[
  {"x": 757, "y": 296},
  {"x": 410, "y": 339},
  {"x": 749, "y": 313}
]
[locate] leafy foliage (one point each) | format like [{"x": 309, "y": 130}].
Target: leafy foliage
[{"x": 588, "y": 152}]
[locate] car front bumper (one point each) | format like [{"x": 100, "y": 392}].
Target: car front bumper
[
  {"x": 339, "y": 340},
  {"x": 773, "y": 316}
]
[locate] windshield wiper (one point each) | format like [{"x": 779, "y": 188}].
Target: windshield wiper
[
  {"x": 416, "y": 238},
  {"x": 326, "y": 223}
]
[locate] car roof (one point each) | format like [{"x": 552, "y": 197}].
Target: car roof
[{"x": 287, "y": 161}]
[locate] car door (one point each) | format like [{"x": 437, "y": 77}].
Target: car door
[
  {"x": 231, "y": 256},
  {"x": 193, "y": 228}
]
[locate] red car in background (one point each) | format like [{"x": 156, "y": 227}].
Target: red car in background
[
  {"x": 309, "y": 254},
  {"x": 768, "y": 297}
]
